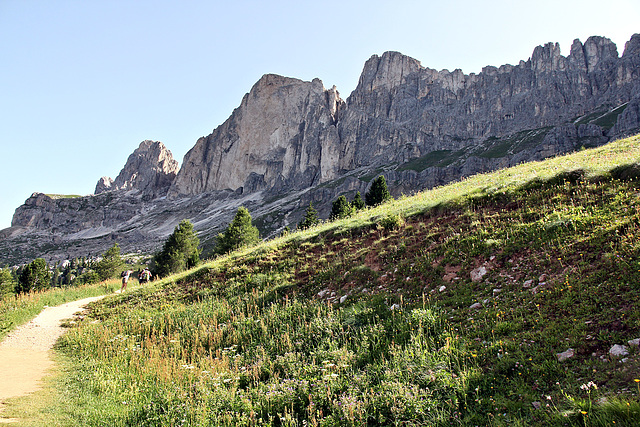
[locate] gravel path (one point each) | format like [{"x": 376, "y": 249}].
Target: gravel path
[{"x": 24, "y": 354}]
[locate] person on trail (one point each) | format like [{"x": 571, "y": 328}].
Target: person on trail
[
  {"x": 125, "y": 279},
  {"x": 145, "y": 276}
]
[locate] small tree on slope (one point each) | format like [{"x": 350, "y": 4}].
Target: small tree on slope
[
  {"x": 240, "y": 232},
  {"x": 310, "y": 218},
  {"x": 378, "y": 193},
  {"x": 180, "y": 252}
]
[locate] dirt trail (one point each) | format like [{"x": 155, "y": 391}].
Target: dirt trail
[{"x": 24, "y": 354}]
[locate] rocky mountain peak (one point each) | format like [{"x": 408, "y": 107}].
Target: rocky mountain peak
[
  {"x": 150, "y": 169},
  {"x": 283, "y": 135},
  {"x": 386, "y": 71},
  {"x": 632, "y": 47},
  {"x": 104, "y": 184}
]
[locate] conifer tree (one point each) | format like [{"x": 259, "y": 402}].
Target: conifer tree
[
  {"x": 7, "y": 282},
  {"x": 378, "y": 193},
  {"x": 179, "y": 252},
  {"x": 310, "y": 218},
  {"x": 34, "y": 277},
  {"x": 240, "y": 232},
  {"x": 340, "y": 209},
  {"x": 108, "y": 267},
  {"x": 357, "y": 203}
]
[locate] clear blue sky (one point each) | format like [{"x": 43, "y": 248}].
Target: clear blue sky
[{"x": 83, "y": 82}]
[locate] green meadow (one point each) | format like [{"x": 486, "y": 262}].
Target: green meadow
[{"x": 444, "y": 308}]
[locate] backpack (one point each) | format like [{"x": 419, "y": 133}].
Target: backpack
[{"x": 124, "y": 273}]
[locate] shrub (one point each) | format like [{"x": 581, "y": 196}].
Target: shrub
[
  {"x": 340, "y": 209},
  {"x": 357, "y": 203}
]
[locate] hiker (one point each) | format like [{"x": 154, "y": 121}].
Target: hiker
[
  {"x": 145, "y": 276},
  {"x": 125, "y": 278}
]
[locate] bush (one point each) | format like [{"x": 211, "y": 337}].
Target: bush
[
  {"x": 357, "y": 203},
  {"x": 7, "y": 282}
]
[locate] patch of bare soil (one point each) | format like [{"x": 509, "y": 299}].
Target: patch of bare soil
[{"x": 24, "y": 354}]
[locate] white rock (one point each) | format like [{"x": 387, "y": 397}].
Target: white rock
[
  {"x": 442, "y": 288},
  {"x": 619, "y": 350},
  {"x": 634, "y": 343},
  {"x": 322, "y": 293},
  {"x": 496, "y": 291},
  {"x": 343, "y": 298},
  {"x": 476, "y": 306},
  {"x": 565, "y": 355},
  {"x": 527, "y": 283},
  {"x": 395, "y": 307},
  {"x": 478, "y": 273}
]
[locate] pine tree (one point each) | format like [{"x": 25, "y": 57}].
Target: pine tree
[
  {"x": 310, "y": 218},
  {"x": 340, "y": 209},
  {"x": 7, "y": 282},
  {"x": 108, "y": 267},
  {"x": 357, "y": 203},
  {"x": 179, "y": 252},
  {"x": 240, "y": 232},
  {"x": 378, "y": 193},
  {"x": 34, "y": 277}
]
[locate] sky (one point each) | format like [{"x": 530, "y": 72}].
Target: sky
[{"x": 83, "y": 82}]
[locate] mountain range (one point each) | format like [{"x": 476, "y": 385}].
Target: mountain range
[{"x": 293, "y": 142}]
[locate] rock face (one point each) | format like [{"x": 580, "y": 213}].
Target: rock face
[
  {"x": 283, "y": 136},
  {"x": 104, "y": 184},
  {"x": 150, "y": 169},
  {"x": 292, "y": 142}
]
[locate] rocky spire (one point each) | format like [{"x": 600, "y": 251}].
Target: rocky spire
[{"x": 150, "y": 169}]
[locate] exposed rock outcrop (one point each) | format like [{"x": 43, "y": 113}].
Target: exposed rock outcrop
[
  {"x": 104, "y": 184},
  {"x": 150, "y": 169},
  {"x": 283, "y": 136}
]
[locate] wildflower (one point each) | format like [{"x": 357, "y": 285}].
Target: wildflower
[{"x": 588, "y": 386}]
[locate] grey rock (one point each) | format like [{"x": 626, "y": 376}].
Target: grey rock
[
  {"x": 565, "y": 355},
  {"x": 104, "y": 184},
  {"x": 282, "y": 137},
  {"x": 618, "y": 350},
  {"x": 475, "y": 306},
  {"x": 150, "y": 169},
  {"x": 634, "y": 342},
  {"x": 478, "y": 273}
]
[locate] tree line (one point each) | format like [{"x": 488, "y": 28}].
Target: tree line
[{"x": 181, "y": 251}]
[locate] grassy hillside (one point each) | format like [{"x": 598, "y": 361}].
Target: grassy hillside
[{"x": 447, "y": 308}]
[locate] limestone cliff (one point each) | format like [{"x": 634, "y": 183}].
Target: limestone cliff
[
  {"x": 283, "y": 136},
  {"x": 150, "y": 169}
]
